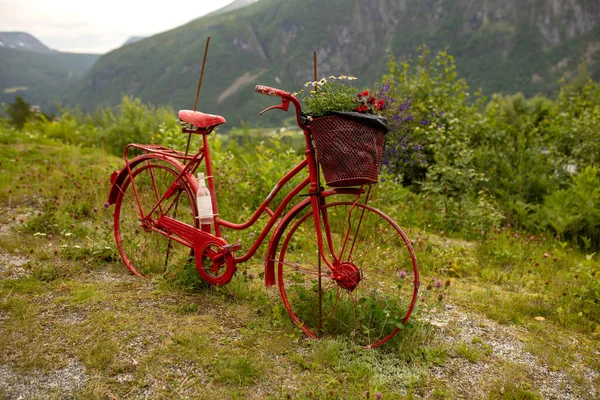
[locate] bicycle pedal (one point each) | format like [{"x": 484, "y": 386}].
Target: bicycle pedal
[{"x": 230, "y": 247}]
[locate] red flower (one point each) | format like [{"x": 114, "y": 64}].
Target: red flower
[
  {"x": 372, "y": 100},
  {"x": 364, "y": 108},
  {"x": 357, "y": 109},
  {"x": 365, "y": 93}
]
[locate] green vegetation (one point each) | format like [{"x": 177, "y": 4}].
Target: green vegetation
[
  {"x": 500, "y": 229},
  {"x": 40, "y": 78},
  {"x": 19, "y": 112}
]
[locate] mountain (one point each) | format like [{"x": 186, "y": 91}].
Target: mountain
[
  {"x": 22, "y": 41},
  {"x": 499, "y": 46},
  {"x": 134, "y": 39},
  {"x": 36, "y": 73},
  {"x": 234, "y": 6}
]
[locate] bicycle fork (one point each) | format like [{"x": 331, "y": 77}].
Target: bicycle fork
[{"x": 345, "y": 273}]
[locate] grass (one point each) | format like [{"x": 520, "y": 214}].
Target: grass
[{"x": 164, "y": 337}]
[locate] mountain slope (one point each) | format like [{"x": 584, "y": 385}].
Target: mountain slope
[
  {"x": 233, "y": 6},
  {"x": 22, "y": 41},
  {"x": 499, "y": 46},
  {"x": 40, "y": 77}
]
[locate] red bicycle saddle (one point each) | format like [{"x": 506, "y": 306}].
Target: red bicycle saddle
[{"x": 200, "y": 120}]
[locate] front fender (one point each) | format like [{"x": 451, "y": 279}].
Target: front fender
[{"x": 117, "y": 178}]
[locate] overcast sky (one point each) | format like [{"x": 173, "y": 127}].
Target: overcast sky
[{"x": 98, "y": 26}]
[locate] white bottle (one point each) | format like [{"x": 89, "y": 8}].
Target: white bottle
[{"x": 205, "y": 210}]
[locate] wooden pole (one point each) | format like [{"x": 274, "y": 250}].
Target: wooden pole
[
  {"x": 319, "y": 267},
  {"x": 201, "y": 72},
  {"x": 315, "y": 69},
  {"x": 187, "y": 146}
]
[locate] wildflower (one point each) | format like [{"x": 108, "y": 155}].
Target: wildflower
[
  {"x": 332, "y": 78},
  {"x": 322, "y": 81},
  {"x": 352, "y": 78},
  {"x": 403, "y": 274},
  {"x": 342, "y": 77},
  {"x": 307, "y": 84}
]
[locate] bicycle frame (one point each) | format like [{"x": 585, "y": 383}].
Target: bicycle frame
[{"x": 197, "y": 239}]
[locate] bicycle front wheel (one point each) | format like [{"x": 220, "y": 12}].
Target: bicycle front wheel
[
  {"x": 371, "y": 290},
  {"x": 143, "y": 250}
]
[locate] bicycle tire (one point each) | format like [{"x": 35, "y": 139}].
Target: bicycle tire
[
  {"x": 374, "y": 290},
  {"x": 143, "y": 250}
]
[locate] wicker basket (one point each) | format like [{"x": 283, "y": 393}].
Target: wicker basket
[{"x": 348, "y": 150}]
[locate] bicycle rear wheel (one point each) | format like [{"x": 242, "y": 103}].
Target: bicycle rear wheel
[
  {"x": 143, "y": 250},
  {"x": 372, "y": 289}
]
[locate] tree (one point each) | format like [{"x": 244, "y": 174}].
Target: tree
[{"x": 19, "y": 112}]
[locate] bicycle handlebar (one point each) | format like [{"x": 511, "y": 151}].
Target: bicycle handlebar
[
  {"x": 269, "y": 91},
  {"x": 286, "y": 98}
]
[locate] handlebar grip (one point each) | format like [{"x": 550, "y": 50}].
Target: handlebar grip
[{"x": 269, "y": 91}]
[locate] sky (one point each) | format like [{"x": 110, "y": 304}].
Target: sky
[{"x": 98, "y": 26}]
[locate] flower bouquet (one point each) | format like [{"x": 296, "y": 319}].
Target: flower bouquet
[{"x": 349, "y": 127}]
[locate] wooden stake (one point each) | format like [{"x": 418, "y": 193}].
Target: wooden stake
[
  {"x": 201, "y": 72},
  {"x": 315, "y": 68},
  {"x": 187, "y": 146}
]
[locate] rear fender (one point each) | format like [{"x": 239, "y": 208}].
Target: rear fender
[
  {"x": 281, "y": 227},
  {"x": 117, "y": 178}
]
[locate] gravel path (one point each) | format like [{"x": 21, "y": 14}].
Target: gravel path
[{"x": 504, "y": 347}]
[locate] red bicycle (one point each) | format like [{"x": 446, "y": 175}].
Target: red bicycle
[{"x": 343, "y": 268}]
